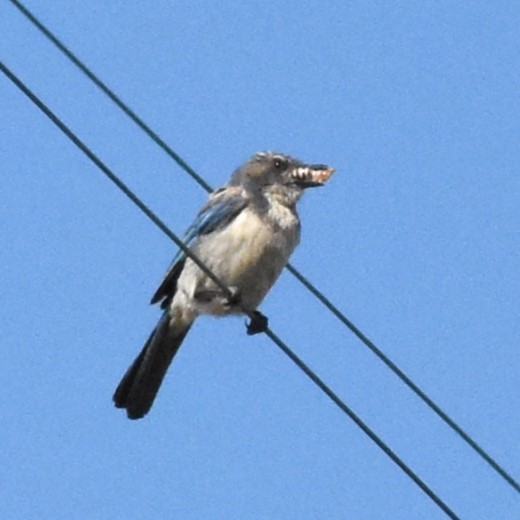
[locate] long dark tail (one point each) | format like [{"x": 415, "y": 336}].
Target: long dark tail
[{"x": 137, "y": 390}]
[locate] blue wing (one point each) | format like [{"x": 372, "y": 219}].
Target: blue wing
[{"x": 222, "y": 208}]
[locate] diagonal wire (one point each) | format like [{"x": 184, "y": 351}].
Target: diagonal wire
[
  {"x": 285, "y": 349},
  {"x": 116, "y": 99},
  {"x": 321, "y": 297},
  {"x": 406, "y": 380}
]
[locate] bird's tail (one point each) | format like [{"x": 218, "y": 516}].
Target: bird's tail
[{"x": 137, "y": 390}]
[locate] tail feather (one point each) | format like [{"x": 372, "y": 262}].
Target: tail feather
[{"x": 139, "y": 386}]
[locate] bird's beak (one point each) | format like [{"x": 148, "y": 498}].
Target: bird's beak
[{"x": 311, "y": 176}]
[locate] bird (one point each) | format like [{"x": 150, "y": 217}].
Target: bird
[{"x": 244, "y": 235}]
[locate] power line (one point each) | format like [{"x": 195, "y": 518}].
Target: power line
[
  {"x": 116, "y": 99},
  {"x": 285, "y": 349},
  {"x": 321, "y": 297},
  {"x": 406, "y": 380}
]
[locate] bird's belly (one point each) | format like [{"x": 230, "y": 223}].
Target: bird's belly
[{"x": 248, "y": 256}]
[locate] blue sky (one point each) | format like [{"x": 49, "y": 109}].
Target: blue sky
[{"x": 416, "y": 238}]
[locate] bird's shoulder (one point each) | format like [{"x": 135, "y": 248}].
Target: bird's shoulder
[{"x": 223, "y": 206}]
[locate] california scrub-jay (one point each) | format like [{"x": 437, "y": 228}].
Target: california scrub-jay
[{"x": 245, "y": 235}]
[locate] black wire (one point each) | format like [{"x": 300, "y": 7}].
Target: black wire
[
  {"x": 406, "y": 380},
  {"x": 286, "y": 350},
  {"x": 321, "y": 297},
  {"x": 123, "y": 106}
]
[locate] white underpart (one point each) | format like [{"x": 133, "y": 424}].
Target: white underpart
[{"x": 248, "y": 256}]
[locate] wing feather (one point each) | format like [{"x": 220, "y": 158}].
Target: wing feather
[{"x": 222, "y": 208}]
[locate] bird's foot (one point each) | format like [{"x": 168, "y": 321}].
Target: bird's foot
[
  {"x": 227, "y": 302},
  {"x": 234, "y": 299},
  {"x": 258, "y": 323}
]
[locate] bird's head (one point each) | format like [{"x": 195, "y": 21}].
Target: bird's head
[{"x": 281, "y": 175}]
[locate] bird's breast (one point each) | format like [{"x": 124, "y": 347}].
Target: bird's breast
[{"x": 248, "y": 255}]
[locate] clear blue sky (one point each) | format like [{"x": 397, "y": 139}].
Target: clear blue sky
[{"x": 416, "y": 238}]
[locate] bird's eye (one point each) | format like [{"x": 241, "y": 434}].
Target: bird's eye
[{"x": 278, "y": 163}]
